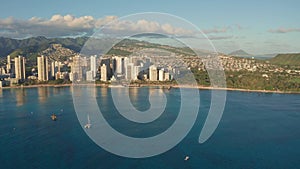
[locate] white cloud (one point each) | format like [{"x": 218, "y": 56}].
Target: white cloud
[
  {"x": 56, "y": 26},
  {"x": 284, "y": 30},
  {"x": 69, "y": 25},
  {"x": 145, "y": 26},
  {"x": 216, "y": 30}
]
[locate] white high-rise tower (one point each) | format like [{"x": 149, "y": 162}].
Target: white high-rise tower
[
  {"x": 152, "y": 73},
  {"x": 103, "y": 73},
  {"x": 20, "y": 67},
  {"x": 94, "y": 65},
  {"x": 43, "y": 70}
]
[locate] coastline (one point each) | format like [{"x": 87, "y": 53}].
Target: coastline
[
  {"x": 227, "y": 89},
  {"x": 152, "y": 85}
]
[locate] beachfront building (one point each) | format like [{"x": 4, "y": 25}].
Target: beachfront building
[
  {"x": 119, "y": 65},
  {"x": 10, "y": 66},
  {"x": 91, "y": 74},
  {"x": 136, "y": 71},
  {"x": 167, "y": 76},
  {"x": 152, "y": 73},
  {"x": 52, "y": 69},
  {"x": 161, "y": 75},
  {"x": 93, "y": 61},
  {"x": 20, "y": 68},
  {"x": 103, "y": 73},
  {"x": 76, "y": 69},
  {"x": 109, "y": 66},
  {"x": 43, "y": 70},
  {"x": 129, "y": 70}
]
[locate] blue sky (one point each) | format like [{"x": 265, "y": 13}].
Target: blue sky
[{"x": 255, "y": 26}]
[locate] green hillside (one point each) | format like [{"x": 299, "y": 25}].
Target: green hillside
[
  {"x": 292, "y": 59},
  {"x": 32, "y": 47},
  {"x": 37, "y": 44}
]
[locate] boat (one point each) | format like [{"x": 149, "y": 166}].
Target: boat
[
  {"x": 186, "y": 158},
  {"x": 88, "y": 125},
  {"x": 53, "y": 117}
]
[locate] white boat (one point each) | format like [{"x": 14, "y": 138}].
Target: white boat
[
  {"x": 88, "y": 125},
  {"x": 186, "y": 158}
]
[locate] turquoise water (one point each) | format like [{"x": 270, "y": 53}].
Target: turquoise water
[{"x": 257, "y": 131}]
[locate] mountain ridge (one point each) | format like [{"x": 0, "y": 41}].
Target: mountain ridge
[
  {"x": 39, "y": 43},
  {"x": 286, "y": 59},
  {"x": 239, "y": 52}
]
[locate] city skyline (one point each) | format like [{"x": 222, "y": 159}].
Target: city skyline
[
  {"x": 256, "y": 27},
  {"x": 84, "y": 69},
  {"x": 149, "y": 84}
]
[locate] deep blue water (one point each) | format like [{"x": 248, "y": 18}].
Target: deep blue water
[{"x": 257, "y": 130}]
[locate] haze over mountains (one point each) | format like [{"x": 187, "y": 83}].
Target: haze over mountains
[
  {"x": 239, "y": 53},
  {"x": 59, "y": 48},
  {"x": 30, "y": 47},
  {"x": 242, "y": 53}
]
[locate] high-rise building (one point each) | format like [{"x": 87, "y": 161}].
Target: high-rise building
[
  {"x": 93, "y": 66},
  {"x": 20, "y": 67},
  {"x": 135, "y": 72},
  {"x": 161, "y": 75},
  {"x": 112, "y": 65},
  {"x": 53, "y": 70},
  {"x": 8, "y": 65},
  {"x": 167, "y": 76},
  {"x": 109, "y": 66},
  {"x": 76, "y": 68},
  {"x": 89, "y": 76},
  {"x": 84, "y": 67},
  {"x": 57, "y": 64},
  {"x": 119, "y": 65},
  {"x": 103, "y": 73},
  {"x": 126, "y": 61},
  {"x": 84, "y": 62},
  {"x": 129, "y": 70},
  {"x": 71, "y": 76},
  {"x": 43, "y": 70},
  {"x": 152, "y": 73}
]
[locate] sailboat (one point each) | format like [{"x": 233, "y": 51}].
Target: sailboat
[
  {"x": 186, "y": 158},
  {"x": 88, "y": 125}
]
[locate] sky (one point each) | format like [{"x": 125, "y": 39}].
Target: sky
[{"x": 258, "y": 27}]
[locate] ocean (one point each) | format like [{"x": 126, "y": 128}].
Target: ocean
[{"x": 257, "y": 130}]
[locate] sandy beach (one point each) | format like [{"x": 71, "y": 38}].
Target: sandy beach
[{"x": 152, "y": 85}]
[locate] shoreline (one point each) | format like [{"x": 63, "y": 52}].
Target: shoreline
[
  {"x": 227, "y": 89},
  {"x": 155, "y": 85}
]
